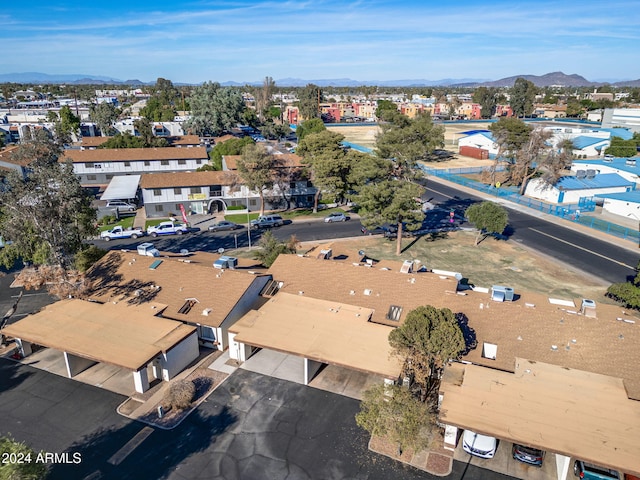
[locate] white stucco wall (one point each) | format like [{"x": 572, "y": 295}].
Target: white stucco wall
[
  {"x": 176, "y": 359},
  {"x": 622, "y": 208}
]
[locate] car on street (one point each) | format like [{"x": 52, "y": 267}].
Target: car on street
[
  {"x": 335, "y": 217},
  {"x": 482, "y": 446},
  {"x": 267, "y": 221},
  {"x": 530, "y": 455},
  {"x": 224, "y": 226},
  {"x": 119, "y": 231},
  {"x": 168, "y": 228},
  {"x": 121, "y": 205}
]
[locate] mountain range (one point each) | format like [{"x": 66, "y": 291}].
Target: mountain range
[{"x": 549, "y": 79}]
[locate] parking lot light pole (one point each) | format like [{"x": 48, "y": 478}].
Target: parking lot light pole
[{"x": 248, "y": 222}]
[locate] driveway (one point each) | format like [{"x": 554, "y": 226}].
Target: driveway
[{"x": 251, "y": 427}]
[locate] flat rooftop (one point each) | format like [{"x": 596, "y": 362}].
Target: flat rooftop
[
  {"x": 576, "y": 413},
  {"x": 119, "y": 334},
  {"x": 324, "y": 331},
  {"x": 534, "y": 326}
]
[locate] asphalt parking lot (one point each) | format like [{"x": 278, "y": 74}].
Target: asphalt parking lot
[{"x": 251, "y": 427}]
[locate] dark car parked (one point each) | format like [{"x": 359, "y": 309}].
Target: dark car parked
[
  {"x": 223, "y": 226},
  {"x": 530, "y": 455}
]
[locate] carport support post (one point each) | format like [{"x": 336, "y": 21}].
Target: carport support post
[
  {"x": 562, "y": 466},
  {"x": 141, "y": 380},
  {"x": 24, "y": 347}
]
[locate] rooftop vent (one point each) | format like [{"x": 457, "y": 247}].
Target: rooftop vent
[
  {"x": 325, "y": 254},
  {"x": 407, "y": 266},
  {"x": 367, "y": 291},
  {"x": 502, "y": 294},
  {"x": 630, "y": 161},
  {"x": 489, "y": 350},
  {"x": 588, "y": 308},
  {"x": 187, "y": 306},
  {"x": 591, "y": 174},
  {"x": 394, "y": 313},
  {"x": 581, "y": 174}
]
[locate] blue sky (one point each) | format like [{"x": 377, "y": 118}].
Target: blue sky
[{"x": 245, "y": 41}]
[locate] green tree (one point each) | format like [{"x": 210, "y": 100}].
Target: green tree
[
  {"x": 574, "y": 107},
  {"x": 622, "y": 148},
  {"x": 271, "y": 247},
  {"x": 390, "y": 201},
  {"x": 123, "y": 140},
  {"x": 67, "y": 126},
  {"x": 428, "y": 339},
  {"x": 309, "y": 100},
  {"x": 47, "y": 215},
  {"x": 488, "y": 100},
  {"x": 627, "y": 293},
  {"x": 487, "y": 217},
  {"x": 407, "y": 141},
  {"x": 104, "y": 115},
  {"x": 256, "y": 168},
  {"x": 314, "y": 125},
  {"x": 523, "y": 94},
  {"x": 392, "y": 412},
  {"x": 28, "y": 470},
  {"x": 386, "y": 110},
  {"x": 263, "y": 96},
  {"x": 214, "y": 109},
  {"x": 327, "y": 162},
  {"x": 156, "y": 111},
  {"x": 233, "y": 146}
]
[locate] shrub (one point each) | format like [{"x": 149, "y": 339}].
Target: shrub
[{"x": 181, "y": 394}]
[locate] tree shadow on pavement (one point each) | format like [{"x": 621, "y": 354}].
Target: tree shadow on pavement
[{"x": 156, "y": 456}]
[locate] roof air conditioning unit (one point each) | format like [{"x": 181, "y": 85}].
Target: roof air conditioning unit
[{"x": 502, "y": 294}]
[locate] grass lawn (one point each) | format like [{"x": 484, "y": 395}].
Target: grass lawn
[
  {"x": 240, "y": 218},
  {"x": 126, "y": 222}
]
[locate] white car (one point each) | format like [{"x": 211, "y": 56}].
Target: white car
[
  {"x": 479, "y": 445},
  {"x": 168, "y": 228},
  {"x": 335, "y": 217},
  {"x": 121, "y": 205}
]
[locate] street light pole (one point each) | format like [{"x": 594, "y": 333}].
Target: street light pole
[{"x": 248, "y": 222}]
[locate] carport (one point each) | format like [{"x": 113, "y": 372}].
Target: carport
[
  {"x": 573, "y": 413},
  {"x": 321, "y": 332},
  {"x": 126, "y": 336},
  {"x": 122, "y": 187}
]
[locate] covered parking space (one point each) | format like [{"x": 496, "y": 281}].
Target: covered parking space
[
  {"x": 131, "y": 337},
  {"x": 572, "y": 413},
  {"x": 122, "y": 187},
  {"x": 317, "y": 335}
]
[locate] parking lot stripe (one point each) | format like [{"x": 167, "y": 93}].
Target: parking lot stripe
[{"x": 130, "y": 446}]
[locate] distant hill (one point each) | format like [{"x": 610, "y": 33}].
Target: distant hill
[
  {"x": 554, "y": 78},
  {"x": 547, "y": 80},
  {"x": 36, "y": 77}
]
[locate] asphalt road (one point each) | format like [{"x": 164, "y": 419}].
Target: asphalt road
[
  {"x": 584, "y": 252},
  {"x": 251, "y": 427}
]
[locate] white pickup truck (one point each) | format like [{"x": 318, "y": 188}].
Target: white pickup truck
[
  {"x": 120, "y": 232},
  {"x": 168, "y": 228}
]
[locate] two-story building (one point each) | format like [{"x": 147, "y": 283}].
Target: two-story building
[{"x": 97, "y": 167}]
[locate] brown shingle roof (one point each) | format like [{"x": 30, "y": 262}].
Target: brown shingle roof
[
  {"x": 120, "y": 334},
  {"x": 134, "y": 154},
  {"x": 187, "y": 179},
  {"x": 528, "y": 327},
  {"x": 7, "y": 155},
  {"x": 286, "y": 160},
  {"x": 126, "y": 277}
]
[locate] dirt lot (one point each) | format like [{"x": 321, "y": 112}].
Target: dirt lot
[
  {"x": 365, "y": 135},
  {"x": 492, "y": 262}
]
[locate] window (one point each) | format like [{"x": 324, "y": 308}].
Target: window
[
  {"x": 177, "y": 191},
  {"x": 198, "y": 161},
  {"x": 159, "y": 208},
  {"x": 253, "y": 202},
  {"x": 127, "y": 164},
  {"x": 195, "y": 190},
  {"x": 109, "y": 176},
  {"x": 164, "y": 162},
  {"x": 89, "y": 165},
  {"x": 177, "y": 207},
  {"x": 147, "y": 163},
  {"x": 182, "y": 161},
  {"x": 91, "y": 177},
  {"x": 292, "y": 184},
  {"x": 157, "y": 192},
  {"x": 206, "y": 333},
  {"x": 309, "y": 184},
  {"x": 394, "y": 313}
]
